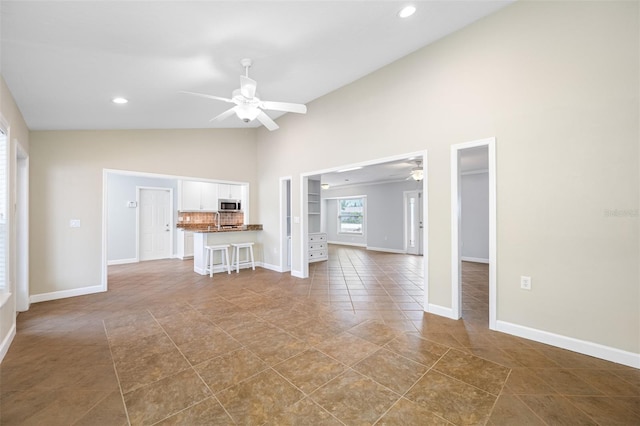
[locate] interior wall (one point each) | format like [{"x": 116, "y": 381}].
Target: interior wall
[
  {"x": 557, "y": 84},
  {"x": 18, "y": 133},
  {"x": 67, "y": 182},
  {"x": 121, "y": 219},
  {"x": 474, "y": 206}
]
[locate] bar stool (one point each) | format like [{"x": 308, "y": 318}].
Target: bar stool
[
  {"x": 224, "y": 258},
  {"x": 235, "y": 259}
]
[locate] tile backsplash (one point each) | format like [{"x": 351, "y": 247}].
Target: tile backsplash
[{"x": 209, "y": 218}]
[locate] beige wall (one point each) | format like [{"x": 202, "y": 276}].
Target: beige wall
[
  {"x": 18, "y": 133},
  {"x": 557, "y": 84},
  {"x": 67, "y": 178}
]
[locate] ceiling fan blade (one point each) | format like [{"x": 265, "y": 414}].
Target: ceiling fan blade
[
  {"x": 224, "y": 115},
  {"x": 284, "y": 106},
  {"x": 267, "y": 121},
  {"x": 247, "y": 87},
  {"x": 217, "y": 98}
]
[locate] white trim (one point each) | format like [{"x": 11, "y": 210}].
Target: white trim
[
  {"x": 122, "y": 261},
  {"x": 345, "y": 243},
  {"x": 386, "y": 250},
  {"x": 63, "y": 294},
  {"x": 597, "y": 350},
  {"x": 6, "y": 342},
  {"x": 271, "y": 267},
  {"x": 474, "y": 259},
  {"x": 440, "y": 310},
  {"x": 297, "y": 274},
  {"x": 456, "y": 292}
]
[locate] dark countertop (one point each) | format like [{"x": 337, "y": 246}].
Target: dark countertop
[{"x": 212, "y": 228}]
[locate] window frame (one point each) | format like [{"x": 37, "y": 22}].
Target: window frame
[{"x": 339, "y": 211}]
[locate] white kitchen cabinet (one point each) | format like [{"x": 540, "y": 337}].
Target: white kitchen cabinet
[
  {"x": 195, "y": 196},
  {"x": 229, "y": 191},
  {"x": 185, "y": 244},
  {"x": 318, "y": 249},
  {"x": 209, "y": 196}
]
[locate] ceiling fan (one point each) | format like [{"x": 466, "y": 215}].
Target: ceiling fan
[
  {"x": 248, "y": 106},
  {"x": 417, "y": 173}
]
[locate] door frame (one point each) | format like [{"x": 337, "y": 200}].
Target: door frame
[
  {"x": 456, "y": 270},
  {"x": 155, "y": 188},
  {"x": 303, "y": 261},
  {"x": 21, "y": 180}
]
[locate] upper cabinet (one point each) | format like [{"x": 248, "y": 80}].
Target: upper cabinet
[
  {"x": 230, "y": 192},
  {"x": 198, "y": 196}
]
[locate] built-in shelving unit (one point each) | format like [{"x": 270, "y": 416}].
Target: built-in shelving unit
[{"x": 318, "y": 249}]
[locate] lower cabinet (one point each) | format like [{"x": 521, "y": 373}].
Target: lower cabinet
[
  {"x": 185, "y": 244},
  {"x": 318, "y": 249}
]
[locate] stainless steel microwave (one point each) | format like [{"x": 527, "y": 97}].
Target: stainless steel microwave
[{"x": 229, "y": 205}]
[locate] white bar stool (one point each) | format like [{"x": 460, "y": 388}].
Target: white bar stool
[
  {"x": 235, "y": 259},
  {"x": 224, "y": 258}
]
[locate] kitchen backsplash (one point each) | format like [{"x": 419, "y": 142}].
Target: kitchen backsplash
[{"x": 209, "y": 218}]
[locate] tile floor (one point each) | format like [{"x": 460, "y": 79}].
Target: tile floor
[{"x": 350, "y": 345}]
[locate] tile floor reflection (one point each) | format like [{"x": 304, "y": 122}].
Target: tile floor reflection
[{"x": 349, "y": 345}]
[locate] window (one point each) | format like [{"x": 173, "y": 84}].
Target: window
[
  {"x": 351, "y": 215},
  {"x": 4, "y": 202}
]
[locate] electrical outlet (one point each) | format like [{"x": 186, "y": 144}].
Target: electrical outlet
[
  {"x": 525, "y": 283},
  {"x": 74, "y": 223}
]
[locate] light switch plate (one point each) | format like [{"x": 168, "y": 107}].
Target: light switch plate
[
  {"x": 74, "y": 223},
  {"x": 525, "y": 283}
]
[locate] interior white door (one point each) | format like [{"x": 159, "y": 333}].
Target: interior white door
[
  {"x": 413, "y": 222},
  {"x": 155, "y": 224}
]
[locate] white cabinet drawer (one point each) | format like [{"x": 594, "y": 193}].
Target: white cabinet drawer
[
  {"x": 317, "y": 246},
  {"x": 317, "y": 255},
  {"x": 317, "y": 237}
]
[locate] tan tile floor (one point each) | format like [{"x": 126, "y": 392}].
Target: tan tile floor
[{"x": 350, "y": 345}]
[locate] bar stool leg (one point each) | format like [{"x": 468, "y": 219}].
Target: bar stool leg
[
  {"x": 211, "y": 263},
  {"x": 226, "y": 252},
  {"x": 253, "y": 264}
]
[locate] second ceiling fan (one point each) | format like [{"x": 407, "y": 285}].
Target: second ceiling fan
[{"x": 248, "y": 106}]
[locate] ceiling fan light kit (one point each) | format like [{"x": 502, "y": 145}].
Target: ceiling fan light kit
[{"x": 248, "y": 106}]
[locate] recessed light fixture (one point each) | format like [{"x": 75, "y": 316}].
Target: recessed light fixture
[
  {"x": 407, "y": 11},
  {"x": 349, "y": 169},
  {"x": 119, "y": 100}
]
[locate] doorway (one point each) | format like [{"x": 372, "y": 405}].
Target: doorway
[
  {"x": 473, "y": 158},
  {"x": 285, "y": 224},
  {"x": 155, "y": 238},
  {"x": 413, "y": 222},
  {"x": 22, "y": 229}
]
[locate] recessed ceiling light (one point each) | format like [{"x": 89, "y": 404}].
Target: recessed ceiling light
[
  {"x": 119, "y": 100},
  {"x": 407, "y": 11}
]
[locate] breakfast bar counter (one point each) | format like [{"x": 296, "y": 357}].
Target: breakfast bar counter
[{"x": 211, "y": 235}]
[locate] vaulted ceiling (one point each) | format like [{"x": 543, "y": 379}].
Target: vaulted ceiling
[{"x": 64, "y": 61}]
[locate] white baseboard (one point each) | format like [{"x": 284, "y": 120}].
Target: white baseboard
[
  {"x": 387, "y": 250},
  {"x": 6, "y": 342},
  {"x": 297, "y": 274},
  {"x": 121, "y": 261},
  {"x": 344, "y": 243},
  {"x": 441, "y": 310},
  {"x": 62, "y": 294},
  {"x": 581, "y": 346},
  {"x": 474, "y": 259},
  {"x": 271, "y": 267}
]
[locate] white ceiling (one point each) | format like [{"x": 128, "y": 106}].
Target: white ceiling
[{"x": 65, "y": 61}]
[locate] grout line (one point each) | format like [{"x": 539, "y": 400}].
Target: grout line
[{"x": 115, "y": 370}]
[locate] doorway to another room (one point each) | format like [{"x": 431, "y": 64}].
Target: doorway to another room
[{"x": 473, "y": 232}]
